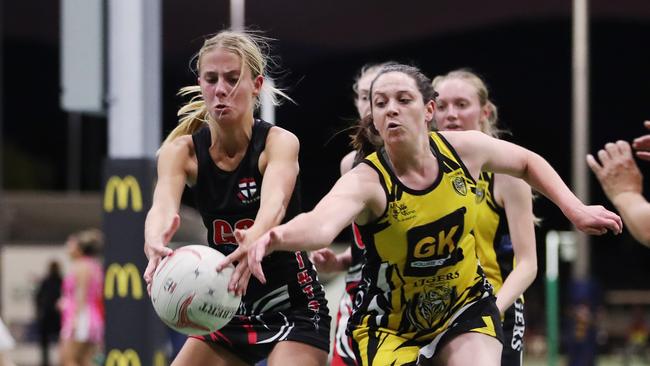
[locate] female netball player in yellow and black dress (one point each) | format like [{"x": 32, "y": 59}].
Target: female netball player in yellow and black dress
[
  {"x": 423, "y": 295},
  {"x": 504, "y": 229}
]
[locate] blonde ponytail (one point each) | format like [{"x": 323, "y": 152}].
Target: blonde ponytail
[{"x": 192, "y": 116}]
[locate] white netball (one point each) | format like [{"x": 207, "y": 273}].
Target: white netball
[{"x": 189, "y": 295}]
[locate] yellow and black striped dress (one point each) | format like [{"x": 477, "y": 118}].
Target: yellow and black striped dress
[
  {"x": 422, "y": 271},
  {"x": 493, "y": 243},
  {"x": 495, "y": 251}
]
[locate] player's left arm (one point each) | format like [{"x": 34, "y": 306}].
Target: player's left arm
[
  {"x": 484, "y": 152},
  {"x": 516, "y": 198},
  {"x": 279, "y": 181},
  {"x": 280, "y": 171}
]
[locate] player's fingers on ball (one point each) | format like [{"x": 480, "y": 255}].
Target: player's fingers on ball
[
  {"x": 258, "y": 273},
  {"x": 229, "y": 259},
  {"x": 241, "y": 270},
  {"x": 147, "y": 273},
  {"x": 162, "y": 251},
  {"x": 151, "y": 269},
  {"x": 234, "y": 281},
  {"x": 243, "y": 283}
]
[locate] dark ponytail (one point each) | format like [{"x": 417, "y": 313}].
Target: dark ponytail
[{"x": 365, "y": 138}]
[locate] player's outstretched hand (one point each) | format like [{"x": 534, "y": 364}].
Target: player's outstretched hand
[
  {"x": 260, "y": 248},
  {"x": 595, "y": 220},
  {"x": 155, "y": 250},
  {"x": 241, "y": 275},
  {"x": 617, "y": 171},
  {"x": 239, "y": 279}
]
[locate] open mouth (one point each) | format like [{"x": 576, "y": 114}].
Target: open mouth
[
  {"x": 453, "y": 127},
  {"x": 393, "y": 125}
]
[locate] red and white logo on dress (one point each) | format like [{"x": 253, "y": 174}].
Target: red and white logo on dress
[{"x": 247, "y": 190}]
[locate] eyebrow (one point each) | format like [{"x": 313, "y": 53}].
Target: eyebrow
[
  {"x": 398, "y": 92},
  {"x": 227, "y": 73}
]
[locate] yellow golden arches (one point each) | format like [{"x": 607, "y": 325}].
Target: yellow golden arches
[
  {"x": 127, "y": 358},
  {"x": 159, "y": 358},
  {"x": 120, "y": 276},
  {"x": 117, "y": 191}
]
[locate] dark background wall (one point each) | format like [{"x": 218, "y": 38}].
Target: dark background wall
[{"x": 523, "y": 50}]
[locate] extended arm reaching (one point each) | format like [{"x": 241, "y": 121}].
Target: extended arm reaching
[
  {"x": 163, "y": 219},
  {"x": 350, "y": 198},
  {"x": 481, "y": 152}
]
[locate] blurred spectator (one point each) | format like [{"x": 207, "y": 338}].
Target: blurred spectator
[
  {"x": 48, "y": 317},
  {"x": 6, "y": 343},
  {"x": 582, "y": 343},
  {"x": 583, "y": 323},
  {"x": 82, "y": 306},
  {"x": 637, "y": 339}
]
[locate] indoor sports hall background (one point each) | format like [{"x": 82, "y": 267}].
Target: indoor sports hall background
[{"x": 59, "y": 173}]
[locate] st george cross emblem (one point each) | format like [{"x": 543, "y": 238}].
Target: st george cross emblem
[{"x": 247, "y": 190}]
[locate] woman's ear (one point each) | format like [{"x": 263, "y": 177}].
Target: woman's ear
[
  {"x": 257, "y": 85},
  {"x": 486, "y": 113},
  {"x": 429, "y": 108}
]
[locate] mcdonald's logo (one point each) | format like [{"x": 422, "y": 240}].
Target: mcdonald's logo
[
  {"x": 118, "y": 189},
  {"x": 159, "y": 359},
  {"x": 120, "y": 276},
  {"x": 127, "y": 358}
]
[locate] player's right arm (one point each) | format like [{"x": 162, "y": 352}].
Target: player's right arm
[
  {"x": 357, "y": 195},
  {"x": 482, "y": 152},
  {"x": 325, "y": 259},
  {"x": 175, "y": 162}
]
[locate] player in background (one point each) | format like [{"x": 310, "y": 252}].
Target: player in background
[{"x": 504, "y": 229}]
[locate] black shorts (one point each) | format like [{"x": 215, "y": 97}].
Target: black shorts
[
  {"x": 290, "y": 307},
  {"x": 471, "y": 320},
  {"x": 378, "y": 347},
  {"x": 513, "y": 332}
]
